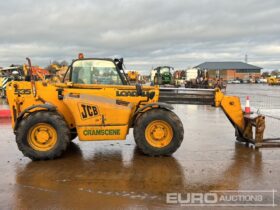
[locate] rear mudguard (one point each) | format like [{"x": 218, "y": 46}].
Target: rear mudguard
[{"x": 48, "y": 107}]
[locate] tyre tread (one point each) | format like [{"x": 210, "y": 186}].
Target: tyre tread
[
  {"x": 139, "y": 131},
  {"x": 28, "y": 121}
]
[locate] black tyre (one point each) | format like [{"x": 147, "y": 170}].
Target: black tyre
[
  {"x": 158, "y": 132},
  {"x": 73, "y": 134},
  {"x": 43, "y": 135}
]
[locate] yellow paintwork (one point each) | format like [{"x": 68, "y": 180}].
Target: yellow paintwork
[
  {"x": 159, "y": 133},
  {"x": 42, "y": 137},
  {"x": 99, "y": 118},
  {"x": 47, "y": 93},
  {"x": 273, "y": 81},
  {"x": 232, "y": 108},
  {"x": 218, "y": 97}
]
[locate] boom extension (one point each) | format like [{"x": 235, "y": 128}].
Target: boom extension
[{"x": 249, "y": 128}]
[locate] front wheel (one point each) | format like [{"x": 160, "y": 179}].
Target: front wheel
[
  {"x": 158, "y": 132},
  {"x": 43, "y": 135}
]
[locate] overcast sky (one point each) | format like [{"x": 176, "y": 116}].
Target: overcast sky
[{"x": 180, "y": 33}]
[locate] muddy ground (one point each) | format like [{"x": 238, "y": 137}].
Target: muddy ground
[{"x": 113, "y": 174}]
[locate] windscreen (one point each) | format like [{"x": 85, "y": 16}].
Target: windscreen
[
  {"x": 164, "y": 70},
  {"x": 95, "y": 72}
]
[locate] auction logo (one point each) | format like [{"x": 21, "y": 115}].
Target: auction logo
[{"x": 244, "y": 198}]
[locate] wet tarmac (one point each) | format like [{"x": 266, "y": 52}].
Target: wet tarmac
[{"x": 113, "y": 174}]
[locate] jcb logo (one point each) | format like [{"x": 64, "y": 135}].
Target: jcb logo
[{"x": 88, "y": 111}]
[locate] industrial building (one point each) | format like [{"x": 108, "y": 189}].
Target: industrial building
[{"x": 231, "y": 70}]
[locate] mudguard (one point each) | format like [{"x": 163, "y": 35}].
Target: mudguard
[
  {"x": 45, "y": 106},
  {"x": 158, "y": 105},
  {"x": 155, "y": 106}
]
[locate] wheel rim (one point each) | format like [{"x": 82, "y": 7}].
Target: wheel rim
[
  {"x": 42, "y": 137},
  {"x": 159, "y": 133}
]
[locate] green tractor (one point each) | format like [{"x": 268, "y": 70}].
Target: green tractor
[{"x": 162, "y": 75}]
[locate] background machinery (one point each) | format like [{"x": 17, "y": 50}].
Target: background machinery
[
  {"x": 18, "y": 73},
  {"x": 133, "y": 76},
  {"x": 202, "y": 80},
  {"x": 273, "y": 81},
  {"x": 7, "y": 74},
  {"x": 179, "y": 78},
  {"x": 58, "y": 72},
  {"x": 35, "y": 71},
  {"x": 162, "y": 75}
]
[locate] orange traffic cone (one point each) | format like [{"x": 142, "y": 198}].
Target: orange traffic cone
[{"x": 247, "y": 106}]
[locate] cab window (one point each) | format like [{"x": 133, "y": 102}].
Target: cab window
[{"x": 95, "y": 72}]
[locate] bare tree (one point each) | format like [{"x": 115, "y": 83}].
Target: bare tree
[
  {"x": 275, "y": 73},
  {"x": 265, "y": 74},
  {"x": 64, "y": 63}
]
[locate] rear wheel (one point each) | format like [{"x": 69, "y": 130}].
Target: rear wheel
[
  {"x": 43, "y": 135},
  {"x": 158, "y": 132}
]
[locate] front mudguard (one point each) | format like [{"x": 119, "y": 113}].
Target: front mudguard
[{"x": 158, "y": 105}]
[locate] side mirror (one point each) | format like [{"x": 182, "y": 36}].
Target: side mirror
[{"x": 119, "y": 63}]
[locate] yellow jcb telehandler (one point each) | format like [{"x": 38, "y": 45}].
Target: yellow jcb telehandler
[{"x": 95, "y": 102}]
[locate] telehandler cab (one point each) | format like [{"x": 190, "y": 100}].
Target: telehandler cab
[{"x": 94, "y": 102}]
